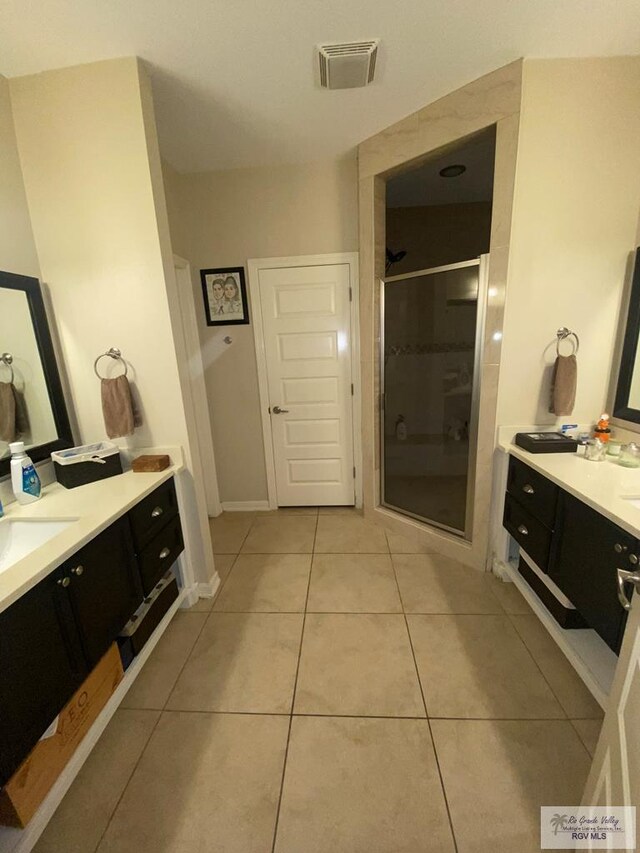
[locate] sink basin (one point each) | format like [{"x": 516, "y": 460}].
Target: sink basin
[
  {"x": 634, "y": 500},
  {"x": 20, "y": 538}
]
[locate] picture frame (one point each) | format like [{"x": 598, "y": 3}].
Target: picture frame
[{"x": 223, "y": 305}]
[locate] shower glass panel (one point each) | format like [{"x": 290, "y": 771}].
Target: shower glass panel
[{"x": 431, "y": 324}]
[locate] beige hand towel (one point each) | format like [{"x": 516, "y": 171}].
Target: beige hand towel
[
  {"x": 7, "y": 412},
  {"x": 117, "y": 408},
  {"x": 563, "y": 385}
]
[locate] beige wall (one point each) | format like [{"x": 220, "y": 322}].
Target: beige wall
[
  {"x": 88, "y": 148},
  {"x": 576, "y": 203},
  {"x": 17, "y": 246},
  {"x": 492, "y": 99},
  {"x": 438, "y": 234},
  {"x": 223, "y": 219}
]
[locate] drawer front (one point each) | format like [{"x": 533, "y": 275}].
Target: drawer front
[
  {"x": 152, "y": 513},
  {"x": 159, "y": 554},
  {"x": 530, "y": 533},
  {"x": 533, "y": 491}
]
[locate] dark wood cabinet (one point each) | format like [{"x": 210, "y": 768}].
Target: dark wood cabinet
[
  {"x": 41, "y": 666},
  {"x": 55, "y": 634},
  {"x": 104, "y": 588},
  {"x": 589, "y": 551}
]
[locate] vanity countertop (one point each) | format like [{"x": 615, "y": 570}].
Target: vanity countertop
[
  {"x": 604, "y": 486},
  {"x": 92, "y": 508}
]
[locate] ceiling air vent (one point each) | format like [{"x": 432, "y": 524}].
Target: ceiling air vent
[{"x": 346, "y": 66}]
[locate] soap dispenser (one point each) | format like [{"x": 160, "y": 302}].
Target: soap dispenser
[{"x": 24, "y": 477}]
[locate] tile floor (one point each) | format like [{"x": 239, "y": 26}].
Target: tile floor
[{"x": 344, "y": 692}]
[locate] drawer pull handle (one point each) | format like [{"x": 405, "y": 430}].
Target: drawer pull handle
[
  {"x": 65, "y": 581},
  {"x": 157, "y": 511},
  {"x": 77, "y": 570},
  {"x": 522, "y": 529},
  {"x": 618, "y": 548},
  {"x": 164, "y": 553},
  {"x": 529, "y": 490},
  {"x": 623, "y": 578}
]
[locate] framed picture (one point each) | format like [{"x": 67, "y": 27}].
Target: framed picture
[{"x": 225, "y": 296}]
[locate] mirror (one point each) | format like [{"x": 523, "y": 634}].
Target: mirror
[
  {"x": 32, "y": 407},
  {"x": 627, "y": 400}
]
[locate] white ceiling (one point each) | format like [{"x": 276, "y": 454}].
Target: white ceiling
[{"x": 235, "y": 83}]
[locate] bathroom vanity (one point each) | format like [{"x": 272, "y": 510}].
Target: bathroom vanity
[
  {"x": 572, "y": 524},
  {"x": 64, "y": 603}
]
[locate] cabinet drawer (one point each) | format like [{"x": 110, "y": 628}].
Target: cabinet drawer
[
  {"x": 530, "y": 533},
  {"x": 160, "y": 554},
  {"x": 533, "y": 491},
  {"x": 152, "y": 513}
]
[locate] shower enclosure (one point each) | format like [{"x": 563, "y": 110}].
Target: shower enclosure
[{"x": 432, "y": 324}]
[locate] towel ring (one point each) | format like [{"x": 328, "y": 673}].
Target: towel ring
[
  {"x": 562, "y": 335},
  {"x": 7, "y": 359},
  {"x": 111, "y": 353}
]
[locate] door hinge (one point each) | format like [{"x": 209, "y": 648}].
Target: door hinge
[
  {"x": 354, "y": 472},
  {"x": 352, "y": 389},
  {"x": 350, "y": 294}
]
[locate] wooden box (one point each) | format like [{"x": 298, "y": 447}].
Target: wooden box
[
  {"x": 32, "y": 781},
  {"x": 151, "y": 462}
]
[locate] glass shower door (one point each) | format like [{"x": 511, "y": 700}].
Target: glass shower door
[{"x": 431, "y": 326}]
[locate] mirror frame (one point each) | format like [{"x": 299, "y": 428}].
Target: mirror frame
[
  {"x": 31, "y": 288},
  {"x": 621, "y": 408}
]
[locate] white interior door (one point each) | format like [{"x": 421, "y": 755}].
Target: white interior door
[
  {"x": 307, "y": 340},
  {"x": 615, "y": 774}
]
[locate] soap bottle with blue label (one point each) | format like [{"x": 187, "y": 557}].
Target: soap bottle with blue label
[{"x": 24, "y": 477}]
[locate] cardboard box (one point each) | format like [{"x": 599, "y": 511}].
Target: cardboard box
[{"x": 24, "y": 792}]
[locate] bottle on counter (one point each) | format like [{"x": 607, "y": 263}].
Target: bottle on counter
[{"x": 24, "y": 477}]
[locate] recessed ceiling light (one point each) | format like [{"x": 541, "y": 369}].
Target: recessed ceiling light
[{"x": 452, "y": 171}]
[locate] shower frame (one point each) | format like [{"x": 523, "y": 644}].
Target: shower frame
[{"x": 482, "y": 263}]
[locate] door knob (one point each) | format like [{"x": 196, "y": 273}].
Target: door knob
[
  {"x": 164, "y": 553},
  {"x": 626, "y": 577},
  {"x": 65, "y": 581},
  {"x": 77, "y": 570},
  {"x": 278, "y": 411},
  {"x": 156, "y": 512},
  {"x": 528, "y": 489},
  {"x": 523, "y": 530}
]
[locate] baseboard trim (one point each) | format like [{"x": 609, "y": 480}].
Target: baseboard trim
[
  {"x": 208, "y": 590},
  {"x": 245, "y": 506}
]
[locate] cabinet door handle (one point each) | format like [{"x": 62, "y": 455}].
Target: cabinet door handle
[
  {"x": 156, "y": 512},
  {"x": 618, "y": 548},
  {"x": 65, "y": 581},
  {"x": 164, "y": 553},
  {"x": 77, "y": 570},
  {"x": 529, "y": 490},
  {"x": 626, "y": 577},
  {"x": 522, "y": 529}
]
